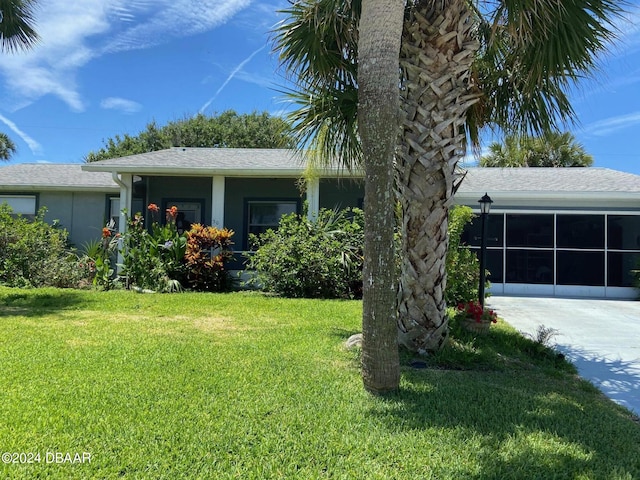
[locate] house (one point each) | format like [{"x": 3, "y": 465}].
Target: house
[
  {"x": 79, "y": 200},
  {"x": 563, "y": 231}
]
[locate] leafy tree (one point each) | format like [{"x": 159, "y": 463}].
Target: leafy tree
[
  {"x": 229, "y": 129},
  {"x": 551, "y": 150},
  {"x": 463, "y": 66}
]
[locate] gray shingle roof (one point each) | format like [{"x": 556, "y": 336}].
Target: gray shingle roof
[
  {"x": 207, "y": 161},
  {"x": 281, "y": 162},
  {"x": 53, "y": 176},
  {"x": 568, "y": 180}
]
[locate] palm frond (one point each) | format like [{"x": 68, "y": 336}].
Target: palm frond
[
  {"x": 533, "y": 52},
  {"x": 317, "y": 46},
  {"x": 7, "y": 147},
  {"x": 17, "y": 25}
]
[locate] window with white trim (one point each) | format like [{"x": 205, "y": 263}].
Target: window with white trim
[{"x": 263, "y": 215}]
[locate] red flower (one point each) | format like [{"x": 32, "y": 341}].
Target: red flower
[
  {"x": 106, "y": 233},
  {"x": 153, "y": 208},
  {"x": 172, "y": 213},
  {"x": 474, "y": 310}
]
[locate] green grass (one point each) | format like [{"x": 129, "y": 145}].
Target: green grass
[{"x": 248, "y": 386}]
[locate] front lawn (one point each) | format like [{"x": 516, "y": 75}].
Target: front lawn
[{"x": 247, "y": 386}]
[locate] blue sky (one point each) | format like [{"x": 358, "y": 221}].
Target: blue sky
[{"x": 107, "y": 67}]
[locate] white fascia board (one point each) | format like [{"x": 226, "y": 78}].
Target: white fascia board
[
  {"x": 58, "y": 188},
  {"x": 204, "y": 171}
]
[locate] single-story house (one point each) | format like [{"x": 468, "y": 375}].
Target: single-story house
[{"x": 562, "y": 231}]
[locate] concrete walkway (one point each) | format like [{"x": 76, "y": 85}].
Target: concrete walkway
[{"x": 600, "y": 337}]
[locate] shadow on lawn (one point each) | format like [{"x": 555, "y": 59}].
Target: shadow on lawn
[
  {"x": 521, "y": 398},
  {"x": 36, "y": 303}
]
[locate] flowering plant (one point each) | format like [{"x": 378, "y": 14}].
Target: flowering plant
[{"x": 475, "y": 311}]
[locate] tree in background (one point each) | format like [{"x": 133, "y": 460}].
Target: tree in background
[
  {"x": 550, "y": 150},
  {"x": 227, "y": 130},
  {"x": 16, "y": 33},
  {"x": 463, "y": 66},
  {"x": 7, "y": 147}
]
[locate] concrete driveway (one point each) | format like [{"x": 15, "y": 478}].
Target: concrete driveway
[{"x": 600, "y": 337}]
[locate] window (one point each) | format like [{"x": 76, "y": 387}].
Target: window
[
  {"x": 623, "y": 232},
  {"x": 580, "y": 231},
  {"x": 114, "y": 211},
  {"x": 189, "y": 212},
  {"x": 493, "y": 263},
  {"x": 20, "y": 204},
  {"x": 580, "y": 268},
  {"x": 534, "y": 230},
  {"x": 472, "y": 231},
  {"x": 263, "y": 215},
  {"x": 529, "y": 266},
  {"x": 620, "y": 268}
]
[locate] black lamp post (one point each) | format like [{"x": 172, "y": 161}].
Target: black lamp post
[{"x": 485, "y": 206}]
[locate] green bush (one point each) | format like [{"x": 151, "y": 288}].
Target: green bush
[
  {"x": 163, "y": 260},
  {"x": 319, "y": 258},
  {"x": 153, "y": 260},
  {"x": 463, "y": 267},
  {"x": 36, "y": 254}
]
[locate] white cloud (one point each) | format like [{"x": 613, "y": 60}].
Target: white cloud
[
  {"x": 74, "y": 33},
  {"x": 235, "y": 72},
  {"x": 116, "y": 103},
  {"x": 612, "y": 124},
  {"x": 33, "y": 145},
  {"x": 171, "y": 19}
]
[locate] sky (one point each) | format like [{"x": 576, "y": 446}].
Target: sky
[{"x": 109, "y": 67}]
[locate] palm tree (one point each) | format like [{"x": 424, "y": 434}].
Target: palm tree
[
  {"x": 7, "y": 147},
  {"x": 464, "y": 65},
  {"x": 551, "y": 150},
  {"x": 380, "y": 31},
  {"x": 16, "y": 32},
  {"x": 16, "y": 25}
]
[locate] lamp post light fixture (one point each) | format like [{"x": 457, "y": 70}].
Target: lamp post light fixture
[{"x": 485, "y": 206}]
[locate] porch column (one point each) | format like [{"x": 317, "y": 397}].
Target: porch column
[
  {"x": 313, "y": 197},
  {"x": 125, "y": 181},
  {"x": 126, "y": 185},
  {"x": 217, "y": 201}
]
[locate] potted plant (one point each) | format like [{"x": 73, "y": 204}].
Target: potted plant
[{"x": 473, "y": 317}]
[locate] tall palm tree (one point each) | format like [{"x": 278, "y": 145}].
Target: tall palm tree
[
  {"x": 17, "y": 25},
  {"x": 7, "y": 147},
  {"x": 551, "y": 150},
  {"x": 380, "y": 31},
  {"x": 16, "y": 32},
  {"x": 464, "y": 65}
]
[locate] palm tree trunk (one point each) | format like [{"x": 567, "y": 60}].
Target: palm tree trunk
[
  {"x": 380, "y": 30},
  {"x": 437, "y": 52}
]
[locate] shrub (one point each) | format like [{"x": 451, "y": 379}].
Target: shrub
[
  {"x": 319, "y": 258},
  {"x": 153, "y": 259},
  {"x": 208, "y": 249},
  {"x": 164, "y": 260},
  {"x": 463, "y": 267},
  {"x": 100, "y": 256},
  {"x": 36, "y": 254}
]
